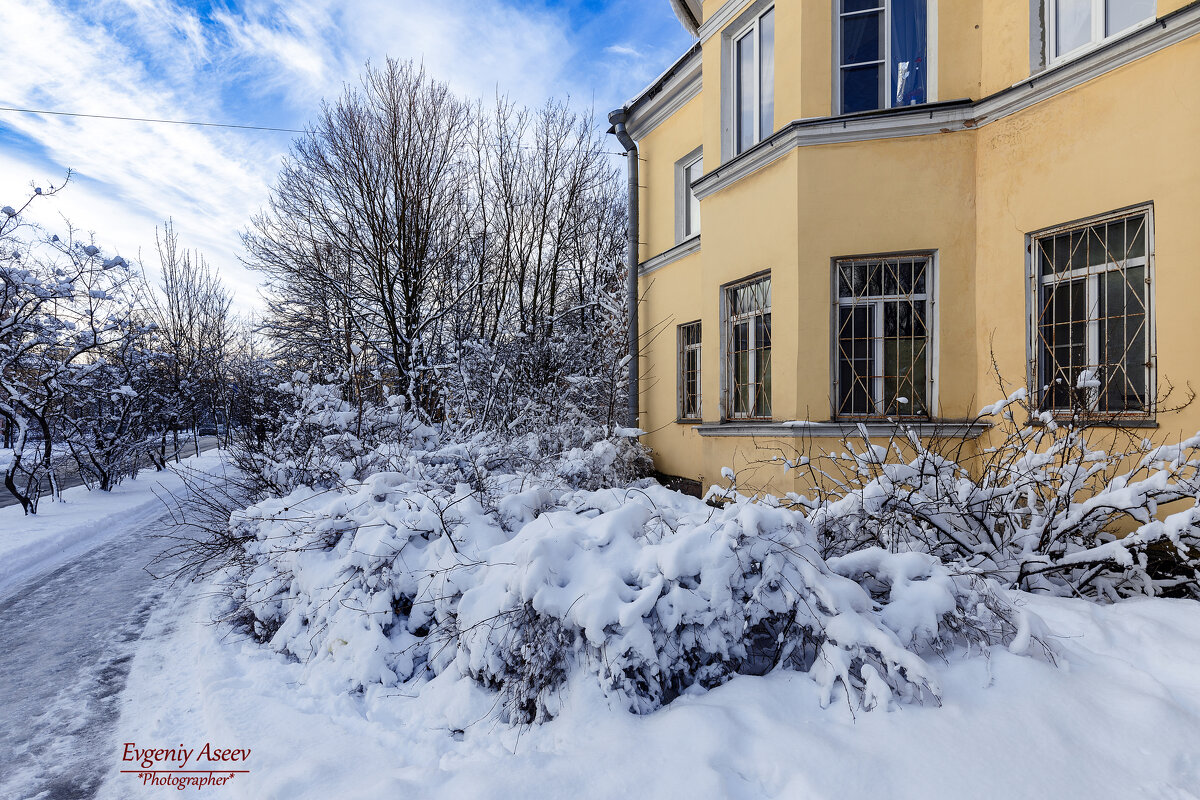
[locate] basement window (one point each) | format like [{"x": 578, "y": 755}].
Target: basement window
[
  {"x": 689, "y": 372},
  {"x": 1091, "y": 323},
  {"x": 884, "y": 353},
  {"x": 748, "y": 350}
]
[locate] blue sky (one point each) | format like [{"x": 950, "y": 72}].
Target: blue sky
[{"x": 266, "y": 62}]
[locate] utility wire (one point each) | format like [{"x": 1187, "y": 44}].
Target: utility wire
[
  {"x": 147, "y": 119},
  {"x": 201, "y": 124}
]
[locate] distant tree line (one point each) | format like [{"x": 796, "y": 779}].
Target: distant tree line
[{"x": 102, "y": 372}]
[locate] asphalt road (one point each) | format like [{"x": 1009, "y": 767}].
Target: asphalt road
[{"x": 69, "y": 478}]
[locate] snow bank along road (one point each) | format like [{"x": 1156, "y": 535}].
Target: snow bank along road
[
  {"x": 72, "y": 479},
  {"x": 73, "y": 612}
]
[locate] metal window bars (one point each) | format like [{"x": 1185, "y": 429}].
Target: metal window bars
[
  {"x": 689, "y": 371},
  {"x": 1092, "y": 314},
  {"x": 883, "y": 339},
  {"x": 748, "y": 350}
]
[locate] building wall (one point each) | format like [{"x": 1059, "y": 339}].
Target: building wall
[
  {"x": 1126, "y": 137},
  {"x": 669, "y": 142}
]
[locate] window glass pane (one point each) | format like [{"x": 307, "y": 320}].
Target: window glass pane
[
  {"x": 1123, "y": 340},
  {"x": 904, "y": 378},
  {"x": 745, "y": 92},
  {"x": 1074, "y": 22},
  {"x": 1122, "y": 14},
  {"x": 908, "y": 64},
  {"x": 862, "y": 88},
  {"x": 854, "y": 360},
  {"x": 762, "y": 366},
  {"x": 1063, "y": 337},
  {"x": 766, "y": 89},
  {"x": 741, "y": 368},
  {"x": 904, "y": 357},
  {"x": 1135, "y": 236},
  {"x": 861, "y": 38},
  {"x": 691, "y": 174},
  {"x": 849, "y": 6}
]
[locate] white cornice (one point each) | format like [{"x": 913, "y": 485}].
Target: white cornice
[
  {"x": 720, "y": 18},
  {"x": 956, "y": 116},
  {"x": 680, "y": 87},
  {"x": 682, "y": 250}
]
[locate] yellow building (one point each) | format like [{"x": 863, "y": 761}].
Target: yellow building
[{"x": 849, "y": 208}]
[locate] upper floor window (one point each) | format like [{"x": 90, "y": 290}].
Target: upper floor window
[
  {"x": 1075, "y": 25},
  {"x": 754, "y": 81},
  {"x": 1091, "y": 336},
  {"x": 748, "y": 350},
  {"x": 688, "y": 170},
  {"x": 883, "y": 336},
  {"x": 883, "y": 54}
]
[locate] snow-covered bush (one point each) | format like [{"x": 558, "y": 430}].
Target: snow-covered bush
[
  {"x": 525, "y": 588},
  {"x": 318, "y": 438},
  {"x": 655, "y": 593},
  {"x": 1056, "y": 505}
]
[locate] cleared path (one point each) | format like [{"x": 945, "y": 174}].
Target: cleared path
[{"x": 65, "y": 648}]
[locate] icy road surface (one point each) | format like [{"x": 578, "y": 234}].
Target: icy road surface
[{"x": 68, "y": 639}]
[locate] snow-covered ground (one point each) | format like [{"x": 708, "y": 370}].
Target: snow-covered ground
[
  {"x": 1119, "y": 718},
  {"x": 84, "y": 519},
  {"x": 97, "y": 655},
  {"x": 75, "y": 598}
]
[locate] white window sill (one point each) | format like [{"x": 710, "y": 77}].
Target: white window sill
[{"x": 838, "y": 429}]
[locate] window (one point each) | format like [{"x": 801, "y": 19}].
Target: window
[
  {"x": 688, "y": 170},
  {"x": 883, "y": 54},
  {"x": 1092, "y": 312},
  {"x": 689, "y": 371},
  {"x": 1075, "y": 25},
  {"x": 748, "y": 350},
  {"x": 883, "y": 336},
  {"x": 754, "y": 81}
]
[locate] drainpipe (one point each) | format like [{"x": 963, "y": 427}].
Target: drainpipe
[{"x": 617, "y": 118}]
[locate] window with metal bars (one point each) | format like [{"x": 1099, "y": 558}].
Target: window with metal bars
[
  {"x": 748, "y": 350},
  {"x": 1092, "y": 313},
  {"x": 883, "y": 336},
  {"x": 689, "y": 372}
]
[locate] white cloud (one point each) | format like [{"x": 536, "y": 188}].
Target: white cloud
[{"x": 266, "y": 62}]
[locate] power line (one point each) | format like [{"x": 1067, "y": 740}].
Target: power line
[
  {"x": 148, "y": 119},
  {"x": 205, "y": 124}
]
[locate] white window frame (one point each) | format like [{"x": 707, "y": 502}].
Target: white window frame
[
  {"x": 931, "y": 52},
  {"x": 753, "y": 28},
  {"x": 687, "y": 206},
  {"x": 932, "y": 357},
  {"x": 1099, "y": 30},
  {"x": 1036, "y": 282},
  {"x": 684, "y": 348},
  {"x": 728, "y": 320}
]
